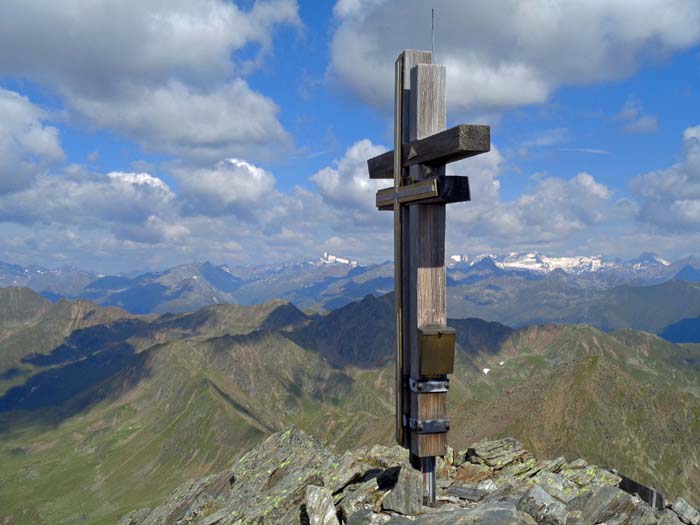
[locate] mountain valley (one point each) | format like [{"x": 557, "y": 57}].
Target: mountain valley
[{"x": 103, "y": 411}]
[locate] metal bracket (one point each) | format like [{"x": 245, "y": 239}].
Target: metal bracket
[
  {"x": 429, "y": 426},
  {"x": 429, "y": 386}
]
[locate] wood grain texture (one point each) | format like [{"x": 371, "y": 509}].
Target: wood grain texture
[
  {"x": 433, "y": 190},
  {"x": 451, "y": 145},
  {"x": 398, "y": 253},
  {"x": 429, "y": 406},
  {"x": 427, "y": 262},
  {"x": 410, "y": 58}
]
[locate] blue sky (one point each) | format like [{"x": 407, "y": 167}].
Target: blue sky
[{"x": 145, "y": 134}]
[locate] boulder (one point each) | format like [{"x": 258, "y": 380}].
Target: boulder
[
  {"x": 543, "y": 507},
  {"x": 319, "y": 506},
  {"x": 466, "y": 493},
  {"x": 557, "y": 486},
  {"x": 406, "y": 497},
  {"x": 367, "y": 517},
  {"x": 498, "y": 454},
  {"x": 291, "y": 479},
  {"x": 607, "y": 503},
  {"x": 686, "y": 512},
  {"x": 472, "y": 473},
  {"x": 496, "y": 513},
  {"x": 355, "y": 496}
]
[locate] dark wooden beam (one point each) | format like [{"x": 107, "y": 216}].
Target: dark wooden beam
[
  {"x": 447, "y": 146},
  {"x": 435, "y": 190}
]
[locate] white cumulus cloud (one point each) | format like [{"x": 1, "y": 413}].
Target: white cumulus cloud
[
  {"x": 232, "y": 186},
  {"x": 670, "y": 197},
  {"x": 164, "y": 74},
  {"x": 130, "y": 205},
  {"x": 27, "y": 144},
  {"x": 507, "y": 53},
  {"x": 347, "y": 183}
]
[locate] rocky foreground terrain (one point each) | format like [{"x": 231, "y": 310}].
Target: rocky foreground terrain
[{"x": 291, "y": 478}]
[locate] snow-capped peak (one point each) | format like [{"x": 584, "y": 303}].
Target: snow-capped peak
[
  {"x": 328, "y": 258},
  {"x": 648, "y": 259},
  {"x": 577, "y": 264}
]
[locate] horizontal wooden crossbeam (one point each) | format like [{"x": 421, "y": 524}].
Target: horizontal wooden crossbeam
[
  {"x": 434, "y": 190},
  {"x": 447, "y": 146}
]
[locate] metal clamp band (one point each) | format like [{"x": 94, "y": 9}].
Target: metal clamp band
[
  {"x": 430, "y": 386},
  {"x": 429, "y": 426}
]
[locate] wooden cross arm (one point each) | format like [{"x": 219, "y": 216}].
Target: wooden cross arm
[
  {"x": 447, "y": 146},
  {"x": 434, "y": 190}
]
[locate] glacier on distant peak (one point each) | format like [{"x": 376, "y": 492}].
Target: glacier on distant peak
[
  {"x": 328, "y": 258},
  {"x": 577, "y": 264}
]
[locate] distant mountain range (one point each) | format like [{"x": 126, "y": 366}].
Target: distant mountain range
[
  {"x": 518, "y": 289},
  {"x": 103, "y": 411}
]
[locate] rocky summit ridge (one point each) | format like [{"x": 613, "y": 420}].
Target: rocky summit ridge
[{"x": 292, "y": 479}]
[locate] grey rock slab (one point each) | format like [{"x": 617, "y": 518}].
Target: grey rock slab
[
  {"x": 508, "y": 492},
  {"x": 557, "y": 486},
  {"x": 135, "y": 517},
  {"x": 499, "y": 454},
  {"x": 590, "y": 475},
  {"x": 606, "y": 503},
  {"x": 407, "y": 495},
  {"x": 319, "y": 506},
  {"x": 191, "y": 500},
  {"x": 367, "y": 517},
  {"x": 577, "y": 464},
  {"x": 575, "y": 518},
  {"x": 466, "y": 493},
  {"x": 669, "y": 518},
  {"x": 356, "y": 495},
  {"x": 267, "y": 486},
  {"x": 342, "y": 472},
  {"x": 214, "y": 519},
  {"x": 543, "y": 507},
  {"x": 490, "y": 514},
  {"x": 487, "y": 485},
  {"x": 643, "y": 514},
  {"x": 686, "y": 512}
]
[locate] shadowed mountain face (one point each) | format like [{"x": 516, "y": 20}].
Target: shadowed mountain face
[
  {"x": 684, "y": 331},
  {"x": 127, "y": 407}
]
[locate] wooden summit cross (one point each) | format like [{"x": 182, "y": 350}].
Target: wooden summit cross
[{"x": 424, "y": 343}]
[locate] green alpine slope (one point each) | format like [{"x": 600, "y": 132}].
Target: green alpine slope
[{"x": 119, "y": 412}]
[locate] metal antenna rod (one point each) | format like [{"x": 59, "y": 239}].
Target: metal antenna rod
[
  {"x": 427, "y": 467},
  {"x": 432, "y": 33}
]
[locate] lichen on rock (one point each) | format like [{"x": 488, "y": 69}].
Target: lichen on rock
[{"x": 292, "y": 479}]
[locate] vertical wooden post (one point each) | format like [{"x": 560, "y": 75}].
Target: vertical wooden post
[
  {"x": 399, "y": 232},
  {"x": 427, "y": 267},
  {"x": 424, "y": 343},
  {"x": 410, "y": 58}
]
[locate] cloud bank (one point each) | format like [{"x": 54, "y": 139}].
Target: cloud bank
[
  {"x": 500, "y": 54},
  {"x": 164, "y": 74}
]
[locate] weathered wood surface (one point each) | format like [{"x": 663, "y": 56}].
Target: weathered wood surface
[
  {"x": 402, "y": 239},
  {"x": 459, "y": 142},
  {"x": 434, "y": 190},
  {"x": 429, "y": 406},
  {"x": 427, "y": 262},
  {"x": 399, "y": 234}
]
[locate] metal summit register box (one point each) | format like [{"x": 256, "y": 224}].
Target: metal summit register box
[{"x": 437, "y": 350}]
